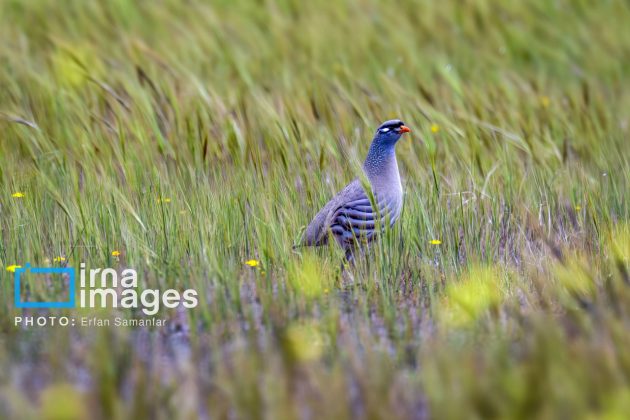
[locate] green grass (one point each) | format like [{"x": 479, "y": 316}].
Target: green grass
[{"x": 193, "y": 137}]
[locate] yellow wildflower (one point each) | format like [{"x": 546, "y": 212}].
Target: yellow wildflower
[
  {"x": 163, "y": 200},
  {"x": 252, "y": 263},
  {"x": 17, "y": 194},
  {"x": 115, "y": 253},
  {"x": 435, "y": 242},
  {"x": 435, "y": 128},
  {"x": 59, "y": 259},
  {"x": 12, "y": 268},
  {"x": 545, "y": 101},
  {"x": 578, "y": 208}
]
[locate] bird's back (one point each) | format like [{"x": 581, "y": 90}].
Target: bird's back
[{"x": 352, "y": 216}]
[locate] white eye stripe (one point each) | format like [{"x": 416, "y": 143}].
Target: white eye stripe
[{"x": 384, "y": 130}]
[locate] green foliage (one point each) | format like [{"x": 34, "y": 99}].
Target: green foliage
[{"x": 194, "y": 136}]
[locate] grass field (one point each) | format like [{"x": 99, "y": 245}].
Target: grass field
[{"x": 184, "y": 139}]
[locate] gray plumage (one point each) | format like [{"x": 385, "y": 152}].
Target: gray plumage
[{"x": 350, "y": 216}]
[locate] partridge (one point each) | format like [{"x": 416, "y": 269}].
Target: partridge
[{"x": 354, "y": 217}]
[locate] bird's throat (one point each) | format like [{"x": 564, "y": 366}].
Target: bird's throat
[{"x": 381, "y": 166}]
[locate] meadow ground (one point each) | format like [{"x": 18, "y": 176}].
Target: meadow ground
[{"x": 183, "y": 139}]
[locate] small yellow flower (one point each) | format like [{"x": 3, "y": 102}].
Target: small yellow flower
[
  {"x": 115, "y": 253},
  {"x": 17, "y": 194},
  {"x": 435, "y": 242},
  {"x": 12, "y": 268},
  {"x": 578, "y": 208},
  {"x": 435, "y": 128},
  {"x": 163, "y": 200},
  {"x": 545, "y": 101},
  {"x": 59, "y": 259},
  {"x": 326, "y": 291},
  {"x": 252, "y": 263}
]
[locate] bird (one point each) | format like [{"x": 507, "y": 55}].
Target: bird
[{"x": 353, "y": 217}]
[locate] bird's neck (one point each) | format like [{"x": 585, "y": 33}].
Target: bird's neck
[{"x": 381, "y": 166}]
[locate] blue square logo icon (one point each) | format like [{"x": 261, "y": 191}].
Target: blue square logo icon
[{"x": 69, "y": 271}]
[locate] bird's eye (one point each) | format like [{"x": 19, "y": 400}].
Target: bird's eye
[{"x": 384, "y": 130}]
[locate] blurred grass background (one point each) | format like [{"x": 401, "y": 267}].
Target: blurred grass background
[{"x": 194, "y": 136}]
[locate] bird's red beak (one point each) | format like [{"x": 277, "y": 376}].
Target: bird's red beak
[{"x": 404, "y": 129}]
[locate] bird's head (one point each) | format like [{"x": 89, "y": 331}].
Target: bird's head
[{"x": 390, "y": 132}]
